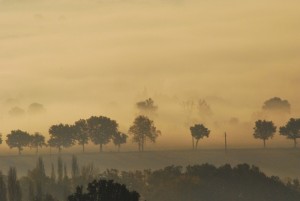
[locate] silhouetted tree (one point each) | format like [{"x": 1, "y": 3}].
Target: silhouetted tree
[
  {"x": 53, "y": 176},
  {"x": 101, "y": 130},
  {"x": 199, "y": 131},
  {"x": 143, "y": 129},
  {"x": 30, "y": 191},
  {"x": 119, "y": 138},
  {"x": 147, "y": 106},
  {"x": 75, "y": 167},
  {"x": 13, "y": 186},
  {"x": 81, "y": 131},
  {"x": 104, "y": 190},
  {"x": 291, "y": 130},
  {"x": 3, "y": 195},
  {"x": 264, "y": 130},
  {"x": 37, "y": 141},
  {"x": 18, "y": 139},
  {"x": 1, "y": 138},
  {"x": 61, "y": 136},
  {"x": 277, "y": 105}
]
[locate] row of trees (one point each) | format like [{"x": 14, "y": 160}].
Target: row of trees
[
  {"x": 263, "y": 130},
  {"x": 100, "y": 130}
]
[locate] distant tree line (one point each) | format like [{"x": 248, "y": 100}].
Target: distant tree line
[
  {"x": 101, "y": 130},
  {"x": 194, "y": 183}
]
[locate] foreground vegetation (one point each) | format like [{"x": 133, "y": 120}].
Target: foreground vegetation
[{"x": 195, "y": 183}]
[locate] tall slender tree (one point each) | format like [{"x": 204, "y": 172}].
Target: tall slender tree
[
  {"x": 75, "y": 167},
  {"x": 291, "y": 130},
  {"x": 18, "y": 139},
  {"x": 3, "y": 194},
  {"x": 199, "y": 131},
  {"x": 13, "y": 186},
  {"x": 264, "y": 130},
  {"x": 101, "y": 130},
  {"x": 59, "y": 169},
  {"x": 53, "y": 176},
  {"x": 143, "y": 129}
]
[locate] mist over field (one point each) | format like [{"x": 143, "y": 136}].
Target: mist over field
[{"x": 83, "y": 58}]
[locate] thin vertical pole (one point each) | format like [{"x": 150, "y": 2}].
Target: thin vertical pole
[{"x": 225, "y": 141}]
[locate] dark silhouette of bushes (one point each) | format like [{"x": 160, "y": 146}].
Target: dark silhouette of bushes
[{"x": 104, "y": 190}]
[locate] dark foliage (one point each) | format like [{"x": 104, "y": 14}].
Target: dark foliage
[{"x": 104, "y": 190}]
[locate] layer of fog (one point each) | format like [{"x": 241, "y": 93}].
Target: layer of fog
[{"x": 83, "y": 58}]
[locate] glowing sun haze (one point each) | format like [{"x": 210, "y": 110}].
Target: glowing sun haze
[{"x": 82, "y": 58}]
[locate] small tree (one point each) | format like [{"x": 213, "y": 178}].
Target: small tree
[
  {"x": 264, "y": 130},
  {"x": 119, "y": 138},
  {"x": 61, "y": 136},
  {"x": 143, "y": 129},
  {"x": 101, "y": 130},
  {"x": 81, "y": 132},
  {"x": 37, "y": 141},
  {"x": 291, "y": 130},
  {"x": 18, "y": 139},
  {"x": 199, "y": 131}
]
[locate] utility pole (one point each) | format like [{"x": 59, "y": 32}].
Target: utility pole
[{"x": 225, "y": 141}]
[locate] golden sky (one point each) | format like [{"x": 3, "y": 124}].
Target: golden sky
[{"x": 99, "y": 57}]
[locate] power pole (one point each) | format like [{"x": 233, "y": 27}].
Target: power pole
[{"x": 225, "y": 141}]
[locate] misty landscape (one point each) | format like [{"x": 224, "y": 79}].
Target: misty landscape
[{"x": 134, "y": 100}]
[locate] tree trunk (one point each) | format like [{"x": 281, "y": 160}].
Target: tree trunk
[
  {"x": 193, "y": 141},
  {"x": 295, "y": 142},
  {"x": 37, "y": 150},
  {"x": 264, "y": 143},
  {"x": 197, "y": 144},
  {"x": 101, "y": 148},
  {"x": 83, "y": 148},
  {"x": 59, "y": 150},
  {"x": 119, "y": 147},
  {"x": 19, "y": 151}
]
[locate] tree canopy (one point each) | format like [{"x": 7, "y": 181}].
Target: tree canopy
[
  {"x": 18, "y": 139},
  {"x": 104, "y": 190},
  {"x": 264, "y": 130},
  {"x": 81, "y": 132},
  {"x": 291, "y": 130},
  {"x": 61, "y": 136},
  {"x": 101, "y": 130},
  {"x": 37, "y": 141},
  {"x": 277, "y": 104}
]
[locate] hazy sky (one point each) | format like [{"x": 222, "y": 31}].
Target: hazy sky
[{"x": 83, "y": 58}]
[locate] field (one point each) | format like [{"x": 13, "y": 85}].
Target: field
[{"x": 280, "y": 162}]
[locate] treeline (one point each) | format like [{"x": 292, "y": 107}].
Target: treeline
[
  {"x": 194, "y": 183},
  {"x": 101, "y": 130}
]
